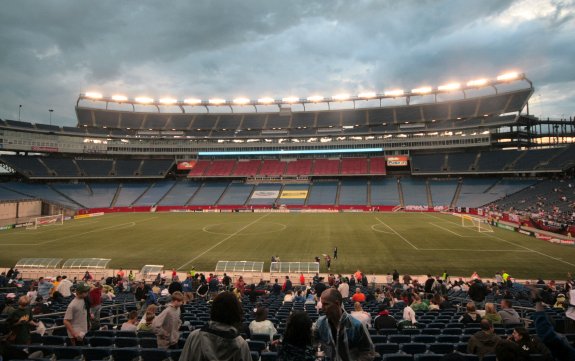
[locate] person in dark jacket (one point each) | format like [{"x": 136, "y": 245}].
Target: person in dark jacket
[
  {"x": 557, "y": 343},
  {"x": 477, "y": 291},
  {"x": 483, "y": 341},
  {"x": 471, "y": 316},
  {"x": 297, "y": 342},
  {"x": 383, "y": 319},
  {"x": 529, "y": 345}
]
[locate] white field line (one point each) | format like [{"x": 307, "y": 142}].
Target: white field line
[
  {"x": 130, "y": 224},
  {"x": 49, "y": 229},
  {"x": 474, "y": 250},
  {"x": 223, "y": 240},
  {"x": 450, "y": 231},
  {"x": 399, "y": 235},
  {"x": 517, "y": 245}
]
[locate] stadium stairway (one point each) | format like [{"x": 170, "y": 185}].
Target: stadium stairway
[
  {"x": 456, "y": 195},
  {"x": 428, "y": 193},
  {"x": 400, "y": 192}
]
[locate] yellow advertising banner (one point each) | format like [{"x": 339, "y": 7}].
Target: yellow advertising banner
[{"x": 294, "y": 194}]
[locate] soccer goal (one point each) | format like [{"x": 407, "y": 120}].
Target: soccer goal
[
  {"x": 56, "y": 219},
  {"x": 477, "y": 224}
]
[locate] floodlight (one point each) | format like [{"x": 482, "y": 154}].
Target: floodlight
[
  {"x": 144, "y": 100},
  {"x": 340, "y": 97},
  {"x": 192, "y": 101},
  {"x": 394, "y": 93},
  {"x": 266, "y": 100},
  {"x": 241, "y": 101},
  {"x": 449, "y": 87},
  {"x": 216, "y": 101},
  {"x": 119, "y": 98},
  {"x": 168, "y": 101},
  {"x": 315, "y": 98},
  {"x": 93, "y": 95},
  {"x": 290, "y": 100},
  {"x": 477, "y": 82},
  {"x": 367, "y": 95},
  {"x": 508, "y": 76},
  {"x": 422, "y": 90}
]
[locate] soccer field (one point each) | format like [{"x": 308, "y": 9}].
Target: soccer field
[{"x": 414, "y": 243}]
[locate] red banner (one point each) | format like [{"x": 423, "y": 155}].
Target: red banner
[{"x": 186, "y": 165}]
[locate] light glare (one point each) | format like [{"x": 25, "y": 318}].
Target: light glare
[
  {"x": 394, "y": 93},
  {"x": 290, "y": 99},
  {"x": 422, "y": 90},
  {"x": 340, "y": 97},
  {"x": 144, "y": 100},
  {"x": 168, "y": 101},
  {"x": 192, "y": 101},
  {"x": 315, "y": 98},
  {"x": 266, "y": 100},
  {"x": 241, "y": 101},
  {"x": 217, "y": 101},
  {"x": 93, "y": 95},
  {"x": 448, "y": 87},
  {"x": 367, "y": 95},
  {"x": 119, "y": 98},
  {"x": 508, "y": 76},
  {"x": 477, "y": 82}
]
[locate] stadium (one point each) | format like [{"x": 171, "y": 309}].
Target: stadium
[{"x": 457, "y": 178}]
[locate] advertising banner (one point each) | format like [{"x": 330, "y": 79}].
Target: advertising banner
[
  {"x": 186, "y": 165},
  {"x": 294, "y": 194},
  {"x": 397, "y": 161},
  {"x": 265, "y": 194}
]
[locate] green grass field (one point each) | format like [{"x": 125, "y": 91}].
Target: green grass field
[{"x": 414, "y": 243}]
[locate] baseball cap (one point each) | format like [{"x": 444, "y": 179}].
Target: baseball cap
[{"x": 82, "y": 287}]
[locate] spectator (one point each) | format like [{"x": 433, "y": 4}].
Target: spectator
[
  {"x": 220, "y": 338},
  {"x": 288, "y": 297},
  {"x": 95, "y": 297},
  {"x": 240, "y": 285},
  {"x": 297, "y": 341},
  {"x": 484, "y": 341},
  {"x": 145, "y": 324},
  {"x": 20, "y": 324},
  {"x": 491, "y": 314},
  {"x": 557, "y": 343},
  {"x": 418, "y": 304},
  {"x": 76, "y": 316},
  {"x": 409, "y": 321},
  {"x": 64, "y": 287},
  {"x": 508, "y": 314},
  {"x": 351, "y": 340},
  {"x": 359, "y": 314},
  {"x": 383, "y": 319},
  {"x": 358, "y": 296},
  {"x": 287, "y": 286},
  {"x": 428, "y": 287},
  {"x": 44, "y": 288},
  {"x": 471, "y": 316},
  {"x": 343, "y": 288},
  {"x": 506, "y": 350},
  {"x": 299, "y": 296},
  {"x": 302, "y": 280},
  {"x": 261, "y": 324},
  {"x": 131, "y": 323},
  {"x": 167, "y": 325},
  {"x": 529, "y": 345},
  {"x": 477, "y": 292}
]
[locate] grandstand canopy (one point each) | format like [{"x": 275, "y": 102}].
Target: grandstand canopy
[
  {"x": 38, "y": 263},
  {"x": 294, "y": 267},
  {"x": 239, "y": 266},
  {"x": 92, "y": 263},
  {"x": 151, "y": 269}
]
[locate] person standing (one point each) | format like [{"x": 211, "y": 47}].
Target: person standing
[
  {"x": 76, "y": 316},
  {"x": 335, "y": 252},
  {"x": 167, "y": 324},
  {"x": 344, "y": 337}
]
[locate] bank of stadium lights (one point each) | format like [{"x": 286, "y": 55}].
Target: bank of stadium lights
[{"x": 366, "y": 95}]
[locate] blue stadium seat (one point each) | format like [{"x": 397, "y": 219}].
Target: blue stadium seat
[
  {"x": 378, "y": 338},
  {"x": 414, "y": 348},
  {"x": 268, "y": 356},
  {"x": 126, "y": 342},
  {"x": 386, "y": 348},
  {"x": 255, "y": 355},
  {"x": 428, "y": 357},
  {"x": 93, "y": 353},
  {"x": 101, "y": 341},
  {"x": 397, "y": 357},
  {"x": 399, "y": 338},
  {"x": 148, "y": 343},
  {"x": 431, "y": 331},
  {"x": 257, "y": 346},
  {"x": 426, "y": 338},
  {"x": 67, "y": 352},
  {"x": 441, "y": 348},
  {"x": 154, "y": 354},
  {"x": 127, "y": 354}
]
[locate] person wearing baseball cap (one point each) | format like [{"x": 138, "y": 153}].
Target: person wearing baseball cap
[{"x": 76, "y": 316}]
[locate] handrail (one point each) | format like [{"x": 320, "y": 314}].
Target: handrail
[{"x": 103, "y": 307}]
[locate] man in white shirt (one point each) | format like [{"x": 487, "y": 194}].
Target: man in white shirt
[
  {"x": 360, "y": 315},
  {"x": 64, "y": 287},
  {"x": 343, "y": 288}
]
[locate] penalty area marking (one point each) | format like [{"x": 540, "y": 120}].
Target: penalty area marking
[
  {"x": 455, "y": 233},
  {"x": 375, "y": 229},
  {"x": 399, "y": 235},
  {"x": 116, "y": 226},
  {"x": 223, "y": 240},
  {"x": 206, "y": 228},
  {"x": 514, "y": 244}
]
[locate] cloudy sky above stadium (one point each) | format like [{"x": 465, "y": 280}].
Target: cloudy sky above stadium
[{"x": 52, "y": 50}]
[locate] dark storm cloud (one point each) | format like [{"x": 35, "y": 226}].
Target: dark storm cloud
[{"x": 52, "y": 50}]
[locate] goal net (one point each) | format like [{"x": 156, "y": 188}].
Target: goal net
[
  {"x": 475, "y": 223},
  {"x": 56, "y": 219}
]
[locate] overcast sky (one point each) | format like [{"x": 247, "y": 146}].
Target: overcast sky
[{"x": 52, "y": 50}]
